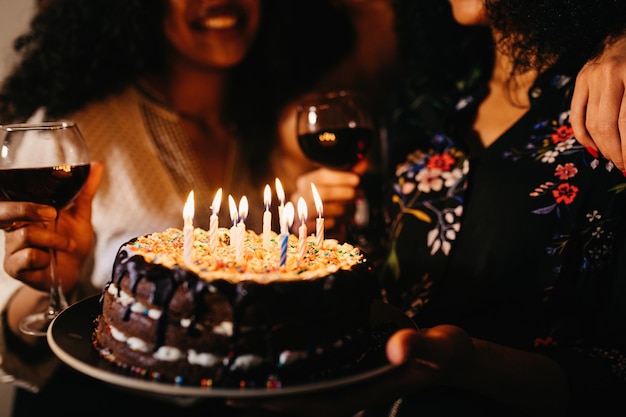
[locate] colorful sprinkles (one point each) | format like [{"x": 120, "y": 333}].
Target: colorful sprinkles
[{"x": 166, "y": 248}]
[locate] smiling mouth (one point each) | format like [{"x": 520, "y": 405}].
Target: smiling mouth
[
  {"x": 219, "y": 22},
  {"x": 219, "y": 18}
]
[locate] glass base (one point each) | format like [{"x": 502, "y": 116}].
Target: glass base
[{"x": 36, "y": 324}]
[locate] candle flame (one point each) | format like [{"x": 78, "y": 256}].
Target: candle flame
[
  {"x": 280, "y": 192},
  {"x": 217, "y": 202},
  {"x": 302, "y": 210},
  {"x": 189, "y": 209},
  {"x": 233, "y": 209},
  {"x": 318, "y": 201},
  {"x": 267, "y": 196},
  {"x": 243, "y": 209},
  {"x": 289, "y": 214}
]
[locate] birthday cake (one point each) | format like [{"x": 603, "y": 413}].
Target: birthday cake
[{"x": 257, "y": 313}]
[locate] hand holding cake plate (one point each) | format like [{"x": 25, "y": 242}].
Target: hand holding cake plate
[{"x": 70, "y": 338}]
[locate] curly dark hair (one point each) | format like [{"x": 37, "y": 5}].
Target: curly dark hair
[
  {"x": 442, "y": 58},
  {"x": 552, "y": 29},
  {"x": 576, "y": 30},
  {"x": 79, "y": 51}
]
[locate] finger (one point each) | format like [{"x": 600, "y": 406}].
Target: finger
[
  {"x": 361, "y": 167},
  {"x": 443, "y": 346},
  {"x": 93, "y": 181},
  {"x": 38, "y": 236},
  {"x": 15, "y": 214},
  {"x": 336, "y": 193},
  {"x": 399, "y": 345},
  {"x": 327, "y": 177},
  {"x": 621, "y": 164},
  {"x": 81, "y": 205},
  {"x": 578, "y": 111},
  {"x": 602, "y": 123},
  {"x": 335, "y": 208},
  {"x": 29, "y": 266}
]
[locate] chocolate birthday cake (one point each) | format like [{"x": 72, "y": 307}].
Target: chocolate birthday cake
[{"x": 236, "y": 315}]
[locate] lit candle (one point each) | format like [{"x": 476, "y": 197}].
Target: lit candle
[
  {"x": 241, "y": 228},
  {"x": 214, "y": 220},
  {"x": 302, "y": 232},
  {"x": 188, "y": 212},
  {"x": 234, "y": 216},
  {"x": 319, "y": 222},
  {"x": 288, "y": 214},
  {"x": 267, "y": 216},
  {"x": 280, "y": 193}
]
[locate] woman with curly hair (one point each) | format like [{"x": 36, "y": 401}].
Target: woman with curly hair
[{"x": 507, "y": 242}]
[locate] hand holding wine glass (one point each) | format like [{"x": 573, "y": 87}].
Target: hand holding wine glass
[
  {"x": 46, "y": 163},
  {"x": 336, "y": 130}
]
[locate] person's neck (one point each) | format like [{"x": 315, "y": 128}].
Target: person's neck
[
  {"x": 506, "y": 102},
  {"x": 516, "y": 86},
  {"x": 196, "y": 94}
]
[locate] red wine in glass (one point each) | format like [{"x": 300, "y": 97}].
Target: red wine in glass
[
  {"x": 335, "y": 129},
  {"x": 339, "y": 148},
  {"x": 46, "y": 163},
  {"x": 54, "y": 186}
]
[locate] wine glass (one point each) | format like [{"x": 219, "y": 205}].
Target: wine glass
[
  {"x": 45, "y": 163},
  {"x": 336, "y": 129}
]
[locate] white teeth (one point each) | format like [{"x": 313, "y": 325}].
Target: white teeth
[{"x": 220, "y": 22}]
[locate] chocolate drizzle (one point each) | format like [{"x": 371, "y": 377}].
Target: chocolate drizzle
[{"x": 268, "y": 317}]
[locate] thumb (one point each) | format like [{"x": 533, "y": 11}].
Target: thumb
[
  {"x": 361, "y": 167},
  {"x": 85, "y": 197},
  {"x": 400, "y": 345}
]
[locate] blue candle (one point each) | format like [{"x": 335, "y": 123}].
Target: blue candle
[{"x": 288, "y": 213}]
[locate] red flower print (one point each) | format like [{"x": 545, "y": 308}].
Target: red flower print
[
  {"x": 544, "y": 341},
  {"x": 442, "y": 162},
  {"x": 562, "y": 134},
  {"x": 565, "y": 193},
  {"x": 567, "y": 171}
]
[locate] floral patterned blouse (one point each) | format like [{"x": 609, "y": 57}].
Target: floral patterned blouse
[{"x": 521, "y": 243}]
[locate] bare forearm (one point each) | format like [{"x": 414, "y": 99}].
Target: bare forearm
[{"x": 531, "y": 383}]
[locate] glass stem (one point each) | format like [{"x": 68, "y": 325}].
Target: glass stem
[{"x": 57, "y": 298}]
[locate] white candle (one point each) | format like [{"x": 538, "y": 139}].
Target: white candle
[
  {"x": 319, "y": 222},
  {"x": 288, "y": 214},
  {"x": 188, "y": 212},
  {"x": 280, "y": 193},
  {"x": 241, "y": 228},
  {"x": 234, "y": 216},
  {"x": 214, "y": 220},
  {"x": 267, "y": 216},
  {"x": 302, "y": 231}
]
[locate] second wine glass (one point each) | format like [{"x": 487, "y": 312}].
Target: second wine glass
[
  {"x": 45, "y": 163},
  {"x": 335, "y": 129}
]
